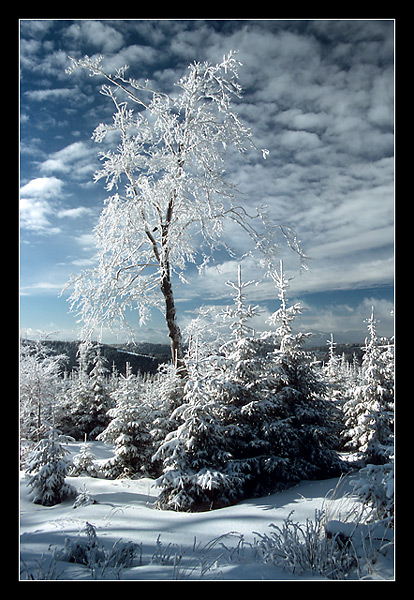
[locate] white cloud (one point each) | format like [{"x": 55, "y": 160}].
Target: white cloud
[
  {"x": 45, "y": 285},
  {"x": 36, "y": 204},
  {"x": 299, "y": 140},
  {"x": 45, "y": 187},
  {"x": 73, "y": 213},
  {"x": 343, "y": 318},
  {"x": 77, "y": 154},
  {"x": 34, "y": 214},
  {"x": 86, "y": 240},
  {"x": 49, "y": 94},
  {"x": 97, "y": 33}
]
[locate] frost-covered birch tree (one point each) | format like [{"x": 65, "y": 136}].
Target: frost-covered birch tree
[{"x": 171, "y": 198}]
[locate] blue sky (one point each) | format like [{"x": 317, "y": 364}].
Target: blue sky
[{"x": 318, "y": 94}]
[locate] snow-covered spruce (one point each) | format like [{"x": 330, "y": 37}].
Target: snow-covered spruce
[
  {"x": 252, "y": 420},
  {"x": 201, "y": 470},
  {"x": 83, "y": 463},
  {"x": 128, "y": 430},
  {"x": 48, "y": 466},
  {"x": 292, "y": 422},
  {"x": 90, "y": 400},
  {"x": 369, "y": 412}
]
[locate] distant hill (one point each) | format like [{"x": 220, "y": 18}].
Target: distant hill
[
  {"x": 321, "y": 353},
  {"x": 143, "y": 357}
]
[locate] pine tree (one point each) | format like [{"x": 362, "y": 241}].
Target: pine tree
[
  {"x": 195, "y": 472},
  {"x": 48, "y": 467},
  {"x": 294, "y": 420},
  {"x": 128, "y": 430},
  {"x": 204, "y": 464},
  {"x": 369, "y": 416},
  {"x": 100, "y": 401},
  {"x": 90, "y": 397},
  {"x": 337, "y": 377},
  {"x": 83, "y": 463},
  {"x": 332, "y": 366}
]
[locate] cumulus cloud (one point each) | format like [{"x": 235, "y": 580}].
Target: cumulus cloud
[
  {"x": 74, "y": 213},
  {"x": 79, "y": 159},
  {"x": 36, "y": 205},
  {"x": 34, "y": 215},
  {"x": 45, "y": 187},
  {"x": 49, "y": 94},
  {"x": 97, "y": 33}
]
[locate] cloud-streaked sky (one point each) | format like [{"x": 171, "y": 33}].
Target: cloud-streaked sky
[{"x": 318, "y": 94}]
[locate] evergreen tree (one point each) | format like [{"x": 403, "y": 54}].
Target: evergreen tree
[
  {"x": 128, "y": 430},
  {"x": 83, "y": 463},
  {"x": 369, "y": 416},
  {"x": 293, "y": 419},
  {"x": 48, "y": 467},
  {"x": 253, "y": 420},
  {"x": 90, "y": 398},
  {"x": 203, "y": 459},
  {"x": 337, "y": 377},
  {"x": 195, "y": 463},
  {"x": 100, "y": 401},
  {"x": 39, "y": 386},
  {"x": 332, "y": 366},
  {"x": 163, "y": 394}
]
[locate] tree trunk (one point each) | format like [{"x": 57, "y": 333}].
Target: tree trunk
[{"x": 171, "y": 318}]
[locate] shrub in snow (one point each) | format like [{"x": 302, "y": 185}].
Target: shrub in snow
[
  {"x": 84, "y": 498},
  {"x": 48, "y": 467},
  {"x": 93, "y": 554},
  {"x": 375, "y": 487},
  {"x": 304, "y": 548}
]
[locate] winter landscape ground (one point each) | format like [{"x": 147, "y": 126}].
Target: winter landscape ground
[{"x": 217, "y": 545}]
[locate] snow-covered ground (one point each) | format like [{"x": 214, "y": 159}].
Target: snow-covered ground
[{"x": 172, "y": 545}]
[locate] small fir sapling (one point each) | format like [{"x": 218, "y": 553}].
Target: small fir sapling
[
  {"x": 83, "y": 463},
  {"x": 48, "y": 466}
]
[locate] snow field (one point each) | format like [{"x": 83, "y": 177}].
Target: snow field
[{"x": 185, "y": 547}]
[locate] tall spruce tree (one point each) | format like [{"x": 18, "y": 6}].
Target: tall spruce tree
[
  {"x": 205, "y": 459},
  {"x": 294, "y": 420}
]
